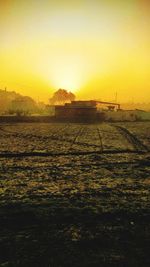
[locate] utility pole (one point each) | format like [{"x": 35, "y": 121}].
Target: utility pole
[{"x": 116, "y": 97}]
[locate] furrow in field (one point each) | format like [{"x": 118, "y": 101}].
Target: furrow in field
[
  {"x": 23, "y": 140},
  {"x": 113, "y": 140},
  {"x": 132, "y": 139},
  {"x": 140, "y": 129}
]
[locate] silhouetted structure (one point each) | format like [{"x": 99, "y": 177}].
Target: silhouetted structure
[
  {"x": 83, "y": 111},
  {"x": 109, "y": 105},
  {"x": 77, "y": 111}
]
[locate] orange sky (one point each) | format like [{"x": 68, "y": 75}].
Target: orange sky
[{"x": 93, "y": 48}]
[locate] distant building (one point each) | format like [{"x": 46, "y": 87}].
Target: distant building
[
  {"x": 92, "y": 111},
  {"x": 126, "y": 115},
  {"x": 77, "y": 111}
]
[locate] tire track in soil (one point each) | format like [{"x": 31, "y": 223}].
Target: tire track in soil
[
  {"x": 21, "y": 135},
  {"x": 100, "y": 139},
  {"x": 143, "y": 163},
  {"x": 55, "y": 136},
  {"x": 138, "y": 146},
  {"x": 72, "y": 153},
  {"x": 80, "y": 143},
  {"x": 79, "y": 133},
  {"x": 132, "y": 139}
]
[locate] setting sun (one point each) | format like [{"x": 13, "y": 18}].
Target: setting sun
[{"x": 63, "y": 72}]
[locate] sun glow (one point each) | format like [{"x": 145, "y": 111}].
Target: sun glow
[
  {"x": 63, "y": 71},
  {"x": 66, "y": 77},
  {"x": 93, "y": 48}
]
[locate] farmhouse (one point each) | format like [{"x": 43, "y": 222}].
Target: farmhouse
[
  {"x": 80, "y": 111},
  {"x": 92, "y": 111},
  {"x": 77, "y": 111}
]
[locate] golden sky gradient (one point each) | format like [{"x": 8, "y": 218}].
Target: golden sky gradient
[{"x": 93, "y": 48}]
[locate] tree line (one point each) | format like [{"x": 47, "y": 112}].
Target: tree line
[{"x": 12, "y": 103}]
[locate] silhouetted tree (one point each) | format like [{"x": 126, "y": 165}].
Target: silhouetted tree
[
  {"x": 5, "y": 100},
  {"x": 71, "y": 96},
  {"x": 22, "y": 106},
  {"x": 61, "y": 96}
]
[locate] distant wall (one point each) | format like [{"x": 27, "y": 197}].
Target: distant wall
[
  {"x": 144, "y": 116},
  {"x": 122, "y": 115},
  {"x": 16, "y": 119},
  {"x": 126, "y": 115},
  {"x": 73, "y": 114}
]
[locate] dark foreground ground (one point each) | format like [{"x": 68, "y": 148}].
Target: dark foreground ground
[{"x": 75, "y": 195}]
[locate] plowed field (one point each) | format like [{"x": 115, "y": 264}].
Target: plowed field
[{"x": 75, "y": 195}]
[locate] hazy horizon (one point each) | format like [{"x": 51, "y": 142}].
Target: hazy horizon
[{"x": 93, "y": 49}]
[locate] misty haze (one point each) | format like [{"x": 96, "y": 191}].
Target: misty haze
[{"x": 74, "y": 133}]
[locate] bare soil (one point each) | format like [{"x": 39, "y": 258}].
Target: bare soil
[{"x": 75, "y": 195}]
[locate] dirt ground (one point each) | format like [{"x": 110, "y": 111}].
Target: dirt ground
[{"x": 75, "y": 195}]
